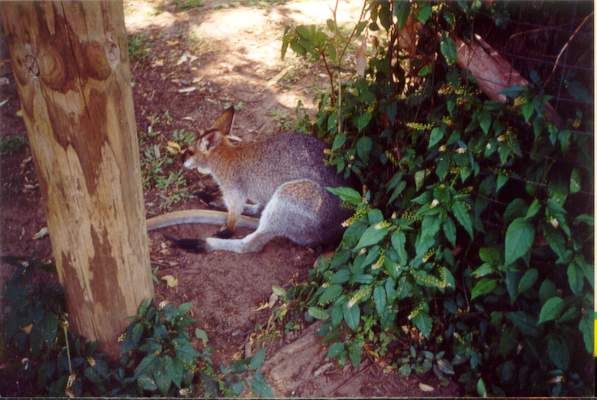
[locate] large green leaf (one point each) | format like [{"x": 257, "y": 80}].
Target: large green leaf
[
  {"x": 448, "y": 49},
  {"x": 483, "y": 287},
  {"x": 557, "y": 351},
  {"x": 485, "y": 121},
  {"x": 371, "y": 236},
  {"x": 352, "y": 316},
  {"x": 534, "y": 208},
  {"x": 390, "y": 287},
  {"x": 341, "y": 276},
  {"x": 556, "y": 242},
  {"x": 260, "y": 387},
  {"x": 354, "y": 353},
  {"x": 419, "y": 179},
  {"x": 336, "y": 314},
  {"x": 528, "y": 280},
  {"x": 379, "y": 298},
  {"x": 575, "y": 181},
  {"x": 257, "y": 360},
  {"x": 586, "y": 328},
  {"x": 347, "y": 194},
  {"x": 430, "y": 226},
  {"x": 146, "y": 383},
  {"x": 424, "y": 323},
  {"x": 363, "y": 120},
  {"x": 401, "y": 10},
  {"x": 551, "y": 309},
  {"x": 525, "y": 322},
  {"x": 527, "y": 110},
  {"x": 463, "y": 217},
  {"x": 519, "y": 239},
  {"x": 162, "y": 376},
  {"x": 490, "y": 255},
  {"x": 201, "y": 334},
  {"x": 424, "y": 12},
  {"x": 175, "y": 370},
  {"x": 330, "y": 294},
  {"x": 546, "y": 290},
  {"x": 437, "y": 134},
  {"x": 450, "y": 230},
  {"x": 364, "y": 146},
  {"x": 481, "y": 390},
  {"x": 318, "y": 313},
  {"x": 575, "y": 278},
  {"x": 336, "y": 349},
  {"x": 398, "y": 243},
  {"x": 339, "y": 141},
  {"x": 145, "y": 365}
]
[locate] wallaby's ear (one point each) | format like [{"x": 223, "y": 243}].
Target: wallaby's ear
[
  {"x": 224, "y": 122},
  {"x": 209, "y": 141}
]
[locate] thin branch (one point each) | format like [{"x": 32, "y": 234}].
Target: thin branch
[
  {"x": 352, "y": 33},
  {"x": 329, "y": 72},
  {"x": 544, "y": 28},
  {"x": 555, "y": 66},
  {"x": 335, "y": 9}
]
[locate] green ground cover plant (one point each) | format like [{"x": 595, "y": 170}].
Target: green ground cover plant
[{"x": 157, "y": 357}]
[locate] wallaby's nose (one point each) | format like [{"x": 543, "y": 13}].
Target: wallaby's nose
[
  {"x": 186, "y": 153},
  {"x": 185, "y": 156}
]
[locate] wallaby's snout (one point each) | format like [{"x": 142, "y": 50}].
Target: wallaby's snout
[{"x": 188, "y": 157}]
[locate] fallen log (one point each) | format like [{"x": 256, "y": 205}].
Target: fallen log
[{"x": 492, "y": 72}]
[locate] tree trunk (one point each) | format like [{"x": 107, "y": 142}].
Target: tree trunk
[{"x": 71, "y": 67}]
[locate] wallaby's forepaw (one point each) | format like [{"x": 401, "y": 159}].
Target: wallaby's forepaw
[
  {"x": 224, "y": 233},
  {"x": 190, "y": 245}
]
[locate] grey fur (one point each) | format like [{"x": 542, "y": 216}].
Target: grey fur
[{"x": 287, "y": 174}]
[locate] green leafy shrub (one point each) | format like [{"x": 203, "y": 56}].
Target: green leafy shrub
[
  {"x": 472, "y": 236},
  {"x": 48, "y": 358},
  {"x": 157, "y": 355}
]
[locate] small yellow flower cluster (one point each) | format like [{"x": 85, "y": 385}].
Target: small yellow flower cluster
[
  {"x": 364, "y": 291},
  {"x": 417, "y": 126},
  {"x": 360, "y": 212}
]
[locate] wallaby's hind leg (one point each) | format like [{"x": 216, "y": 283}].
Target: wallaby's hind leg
[
  {"x": 291, "y": 212},
  {"x": 249, "y": 244}
]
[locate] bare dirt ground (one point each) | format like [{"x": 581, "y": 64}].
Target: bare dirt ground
[{"x": 188, "y": 65}]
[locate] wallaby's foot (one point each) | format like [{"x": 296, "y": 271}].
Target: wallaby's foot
[
  {"x": 249, "y": 244},
  {"x": 191, "y": 245},
  {"x": 224, "y": 233}
]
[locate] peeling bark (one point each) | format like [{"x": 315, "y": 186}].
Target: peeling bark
[{"x": 71, "y": 67}]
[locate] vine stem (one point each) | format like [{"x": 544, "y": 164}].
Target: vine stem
[
  {"x": 352, "y": 33},
  {"x": 339, "y": 123},
  {"x": 65, "y": 330},
  {"x": 354, "y": 30},
  {"x": 329, "y": 72},
  {"x": 555, "y": 66}
]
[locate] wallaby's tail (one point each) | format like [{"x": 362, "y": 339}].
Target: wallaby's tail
[{"x": 209, "y": 217}]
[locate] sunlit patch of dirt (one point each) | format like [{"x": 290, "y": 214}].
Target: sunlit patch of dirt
[{"x": 238, "y": 48}]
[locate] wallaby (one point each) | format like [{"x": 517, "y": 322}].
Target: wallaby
[{"x": 284, "y": 176}]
